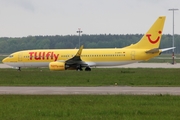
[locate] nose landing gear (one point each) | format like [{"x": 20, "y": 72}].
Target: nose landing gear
[{"x": 19, "y": 68}]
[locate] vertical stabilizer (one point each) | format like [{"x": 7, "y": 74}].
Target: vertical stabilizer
[{"x": 153, "y": 37}]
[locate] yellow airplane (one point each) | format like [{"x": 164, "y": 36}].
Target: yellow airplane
[{"x": 76, "y": 59}]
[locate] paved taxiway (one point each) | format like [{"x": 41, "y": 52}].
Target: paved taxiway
[
  {"x": 4, "y": 66},
  {"x": 112, "y": 90}
]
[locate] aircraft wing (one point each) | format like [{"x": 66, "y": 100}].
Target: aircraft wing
[{"x": 76, "y": 60}]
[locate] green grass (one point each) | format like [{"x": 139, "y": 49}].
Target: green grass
[
  {"x": 87, "y": 107},
  {"x": 97, "y": 77}
]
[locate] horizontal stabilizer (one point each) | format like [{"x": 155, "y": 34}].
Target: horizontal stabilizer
[
  {"x": 166, "y": 49},
  {"x": 154, "y": 50}
]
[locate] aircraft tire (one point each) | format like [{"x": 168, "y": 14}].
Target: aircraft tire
[{"x": 87, "y": 69}]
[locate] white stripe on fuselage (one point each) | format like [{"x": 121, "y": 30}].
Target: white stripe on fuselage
[{"x": 46, "y": 64}]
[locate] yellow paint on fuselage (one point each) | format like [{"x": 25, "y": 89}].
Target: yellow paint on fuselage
[
  {"x": 88, "y": 55},
  {"x": 145, "y": 49}
]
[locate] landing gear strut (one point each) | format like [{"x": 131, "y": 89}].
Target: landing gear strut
[
  {"x": 79, "y": 68},
  {"x": 19, "y": 68}
]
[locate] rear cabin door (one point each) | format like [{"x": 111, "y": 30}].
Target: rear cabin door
[{"x": 132, "y": 55}]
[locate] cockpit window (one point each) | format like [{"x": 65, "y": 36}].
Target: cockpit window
[{"x": 10, "y": 56}]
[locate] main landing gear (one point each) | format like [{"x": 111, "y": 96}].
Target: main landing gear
[
  {"x": 87, "y": 69},
  {"x": 79, "y": 68}
]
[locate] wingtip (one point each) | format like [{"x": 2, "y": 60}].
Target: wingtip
[{"x": 82, "y": 46}]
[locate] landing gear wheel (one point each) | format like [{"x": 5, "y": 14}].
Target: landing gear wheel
[
  {"x": 79, "y": 68},
  {"x": 87, "y": 69}
]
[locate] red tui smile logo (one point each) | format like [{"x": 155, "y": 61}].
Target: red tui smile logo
[{"x": 153, "y": 41}]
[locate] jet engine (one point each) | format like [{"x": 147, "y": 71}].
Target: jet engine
[{"x": 57, "y": 66}]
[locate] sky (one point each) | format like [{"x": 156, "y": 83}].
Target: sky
[{"x": 22, "y": 18}]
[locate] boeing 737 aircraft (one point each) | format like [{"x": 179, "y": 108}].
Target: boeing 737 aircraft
[{"x": 76, "y": 59}]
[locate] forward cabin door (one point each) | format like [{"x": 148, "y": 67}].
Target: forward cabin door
[{"x": 20, "y": 59}]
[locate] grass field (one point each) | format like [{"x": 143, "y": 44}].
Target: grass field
[
  {"x": 97, "y": 77},
  {"x": 87, "y": 107}
]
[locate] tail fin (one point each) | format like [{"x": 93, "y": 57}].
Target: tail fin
[{"x": 153, "y": 37}]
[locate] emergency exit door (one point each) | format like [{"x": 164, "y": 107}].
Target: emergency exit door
[{"x": 20, "y": 55}]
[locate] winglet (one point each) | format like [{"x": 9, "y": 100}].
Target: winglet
[
  {"x": 77, "y": 57},
  {"x": 79, "y": 51}
]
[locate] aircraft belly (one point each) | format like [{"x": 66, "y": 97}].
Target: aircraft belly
[
  {"x": 113, "y": 63},
  {"x": 15, "y": 64},
  {"x": 37, "y": 64},
  {"x": 28, "y": 64},
  {"x": 46, "y": 64}
]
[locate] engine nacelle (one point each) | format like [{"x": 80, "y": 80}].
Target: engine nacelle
[{"x": 57, "y": 66}]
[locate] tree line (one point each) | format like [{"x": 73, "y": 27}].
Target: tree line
[{"x": 9, "y": 45}]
